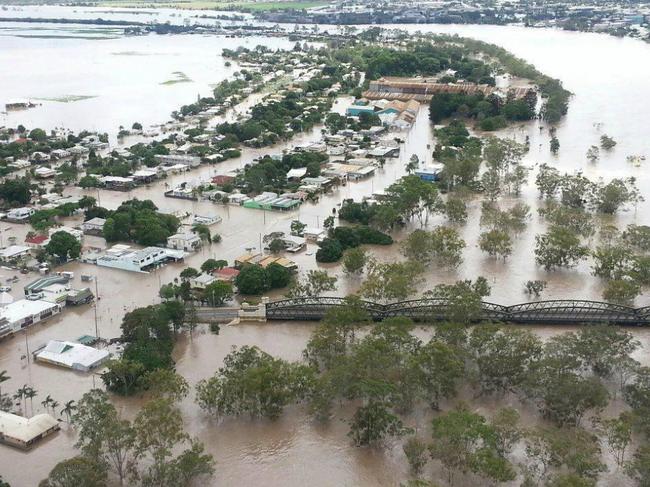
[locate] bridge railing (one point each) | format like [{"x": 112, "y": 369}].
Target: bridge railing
[{"x": 439, "y": 309}]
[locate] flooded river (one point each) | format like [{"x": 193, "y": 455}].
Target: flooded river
[{"x": 609, "y": 82}]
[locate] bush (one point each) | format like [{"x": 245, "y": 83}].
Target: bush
[
  {"x": 252, "y": 279},
  {"x": 330, "y": 251}
]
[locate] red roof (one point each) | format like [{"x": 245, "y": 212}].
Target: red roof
[
  {"x": 222, "y": 179},
  {"x": 226, "y": 272},
  {"x": 37, "y": 239}
]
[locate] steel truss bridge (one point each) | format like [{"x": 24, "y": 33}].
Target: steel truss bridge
[{"x": 433, "y": 309}]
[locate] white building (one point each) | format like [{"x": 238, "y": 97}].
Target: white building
[
  {"x": 72, "y": 355},
  {"x": 127, "y": 259},
  {"x": 20, "y": 214},
  {"x": 189, "y": 242},
  {"x": 44, "y": 172},
  {"x": 94, "y": 226},
  {"x": 14, "y": 252},
  {"x": 202, "y": 281},
  {"x": 23, "y": 313},
  {"x": 22, "y": 432}
]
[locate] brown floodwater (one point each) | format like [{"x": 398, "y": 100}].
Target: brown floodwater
[{"x": 294, "y": 450}]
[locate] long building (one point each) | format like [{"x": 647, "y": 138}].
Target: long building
[
  {"x": 23, "y": 433},
  {"x": 423, "y": 89}
]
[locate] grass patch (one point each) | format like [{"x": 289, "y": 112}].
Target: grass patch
[{"x": 178, "y": 77}]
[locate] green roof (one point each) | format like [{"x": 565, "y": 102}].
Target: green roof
[{"x": 43, "y": 282}]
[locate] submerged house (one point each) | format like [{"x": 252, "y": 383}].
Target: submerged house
[
  {"x": 22, "y": 432},
  {"x": 125, "y": 258},
  {"x": 72, "y": 355}
]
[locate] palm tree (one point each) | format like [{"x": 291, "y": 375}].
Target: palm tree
[
  {"x": 20, "y": 395},
  {"x": 30, "y": 394},
  {"x": 3, "y": 378},
  {"x": 68, "y": 409},
  {"x": 54, "y": 404},
  {"x": 46, "y": 403}
]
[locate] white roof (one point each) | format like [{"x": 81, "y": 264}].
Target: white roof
[
  {"x": 72, "y": 355},
  {"x": 95, "y": 221},
  {"x": 204, "y": 279},
  {"x": 24, "y": 308},
  {"x": 25, "y": 430},
  {"x": 188, "y": 237},
  {"x": 297, "y": 172},
  {"x": 55, "y": 288},
  {"x": 6, "y": 298},
  {"x": 313, "y": 231},
  {"x": 13, "y": 250}
]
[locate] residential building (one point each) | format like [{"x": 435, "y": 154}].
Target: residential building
[
  {"x": 72, "y": 355},
  {"x": 189, "y": 242},
  {"x": 22, "y": 432},
  {"x": 13, "y": 253},
  {"x": 430, "y": 173},
  {"x": 20, "y": 215},
  {"x": 44, "y": 172},
  {"x": 227, "y": 274},
  {"x": 202, "y": 281},
  {"x": 94, "y": 226},
  {"x": 37, "y": 241}
]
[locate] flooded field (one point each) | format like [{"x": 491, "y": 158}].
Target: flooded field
[
  {"x": 294, "y": 450},
  {"x": 85, "y": 77}
]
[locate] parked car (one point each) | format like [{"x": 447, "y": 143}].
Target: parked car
[{"x": 5, "y": 289}]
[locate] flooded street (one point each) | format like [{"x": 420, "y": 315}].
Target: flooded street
[{"x": 610, "y": 88}]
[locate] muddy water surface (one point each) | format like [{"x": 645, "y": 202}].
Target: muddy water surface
[{"x": 294, "y": 451}]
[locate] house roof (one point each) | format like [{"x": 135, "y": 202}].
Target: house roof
[
  {"x": 203, "y": 279},
  {"x": 95, "y": 221},
  {"x": 226, "y": 272},
  {"x": 25, "y": 308},
  {"x": 25, "y": 430},
  {"x": 13, "y": 251},
  {"x": 72, "y": 355},
  {"x": 36, "y": 239}
]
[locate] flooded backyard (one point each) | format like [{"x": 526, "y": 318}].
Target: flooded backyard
[{"x": 609, "y": 97}]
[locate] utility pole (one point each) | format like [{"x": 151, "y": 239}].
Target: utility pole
[
  {"x": 27, "y": 344},
  {"x": 96, "y": 304}
]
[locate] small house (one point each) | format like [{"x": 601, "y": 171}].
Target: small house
[
  {"x": 227, "y": 274},
  {"x": 23, "y": 433},
  {"x": 72, "y": 355},
  {"x": 189, "y": 242},
  {"x": 44, "y": 172},
  {"x": 94, "y": 226},
  {"x": 20, "y": 215},
  {"x": 13, "y": 252},
  {"x": 202, "y": 281}
]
